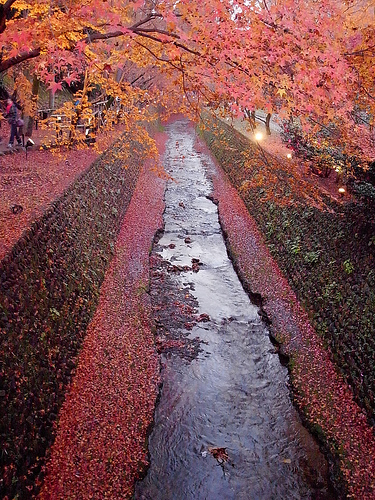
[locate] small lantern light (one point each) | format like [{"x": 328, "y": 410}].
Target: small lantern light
[
  {"x": 289, "y": 156},
  {"x": 258, "y": 136}
]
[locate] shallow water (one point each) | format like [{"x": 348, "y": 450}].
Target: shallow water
[{"x": 225, "y": 426}]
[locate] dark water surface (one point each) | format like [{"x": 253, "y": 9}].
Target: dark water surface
[{"x": 225, "y": 427}]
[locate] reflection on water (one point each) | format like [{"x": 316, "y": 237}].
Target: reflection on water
[{"x": 225, "y": 427}]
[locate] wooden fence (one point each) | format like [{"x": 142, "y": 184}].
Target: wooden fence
[{"x": 61, "y": 125}]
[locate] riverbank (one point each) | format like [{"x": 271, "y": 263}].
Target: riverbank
[
  {"x": 100, "y": 447},
  {"x": 30, "y": 182},
  {"x": 224, "y": 399},
  {"x": 321, "y": 393},
  {"x": 49, "y": 290}
]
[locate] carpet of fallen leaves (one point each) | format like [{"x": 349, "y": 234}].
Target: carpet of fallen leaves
[
  {"x": 100, "y": 446},
  {"x": 29, "y": 184},
  {"x": 32, "y": 184},
  {"x": 320, "y": 392}
]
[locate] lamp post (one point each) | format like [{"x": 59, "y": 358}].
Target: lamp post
[{"x": 28, "y": 145}]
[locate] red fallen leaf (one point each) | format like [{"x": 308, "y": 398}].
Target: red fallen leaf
[
  {"x": 220, "y": 454},
  {"x": 189, "y": 326},
  {"x": 16, "y": 209},
  {"x": 203, "y": 317},
  {"x": 187, "y": 239}
]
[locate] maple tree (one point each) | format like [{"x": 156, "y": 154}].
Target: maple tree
[
  {"x": 296, "y": 58},
  {"x": 306, "y": 59}
]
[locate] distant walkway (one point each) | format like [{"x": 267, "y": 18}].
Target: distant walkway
[
  {"x": 29, "y": 185},
  {"x": 38, "y": 136},
  {"x": 270, "y": 143},
  {"x": 274, "y": 145}
]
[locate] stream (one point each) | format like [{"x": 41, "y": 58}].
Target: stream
[{"x": 225, "y": 426}]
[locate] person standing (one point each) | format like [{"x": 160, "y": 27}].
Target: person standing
[{"x": 11, "y": 116}]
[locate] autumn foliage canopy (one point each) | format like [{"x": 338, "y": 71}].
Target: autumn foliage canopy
[{"x": 299, "y": 58}]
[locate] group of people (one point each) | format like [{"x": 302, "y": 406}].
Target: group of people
[{"x": 15, "y": 122}]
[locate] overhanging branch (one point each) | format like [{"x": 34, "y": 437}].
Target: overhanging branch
[
  {"x": 23, "y": 56},
  {"x": 4, "y": 10},
  {"x": 135, "y": 29}
]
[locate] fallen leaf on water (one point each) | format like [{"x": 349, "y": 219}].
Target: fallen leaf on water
[{"x": 220, "y": 454}]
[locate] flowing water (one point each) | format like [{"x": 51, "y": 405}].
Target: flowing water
[{"x": 225, "y": 427}]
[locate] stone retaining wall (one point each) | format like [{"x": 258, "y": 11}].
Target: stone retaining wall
[
  {"x": 328, "y": 258},
  {"x": 49, "y": 289}
]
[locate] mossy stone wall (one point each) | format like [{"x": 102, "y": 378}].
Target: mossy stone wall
[
  {"x": 49, "y": 289},
  {"x": 327, "y": 256}
]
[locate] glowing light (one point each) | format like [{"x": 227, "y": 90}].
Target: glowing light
[
  {"x": 341, "y": 190},
  {"x": 258, "y": 136},
  {"x": 289, "y": 155}
]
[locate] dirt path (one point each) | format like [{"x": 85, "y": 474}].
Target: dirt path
[
  {"x": 29, "y": 184},
  {"x": 274, "y": 146}
]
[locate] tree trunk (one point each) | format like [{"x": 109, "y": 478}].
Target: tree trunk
[
  {"x": 268, "y": 119},
  {"x": 251, "y": 117},
  {"x": 119, "y": 75},
  {"x": 34, "y": 100},
  {"x": 253, "y": 121},
  {"x": 51, "y": 102}
]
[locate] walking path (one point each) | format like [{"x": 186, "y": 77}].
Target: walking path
[
  {"x": 38, "y": 138},
  {"x": 270, "y": 143},
  {"x": 274, "y": 146},
  {"x": 29, "y": 183}
]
